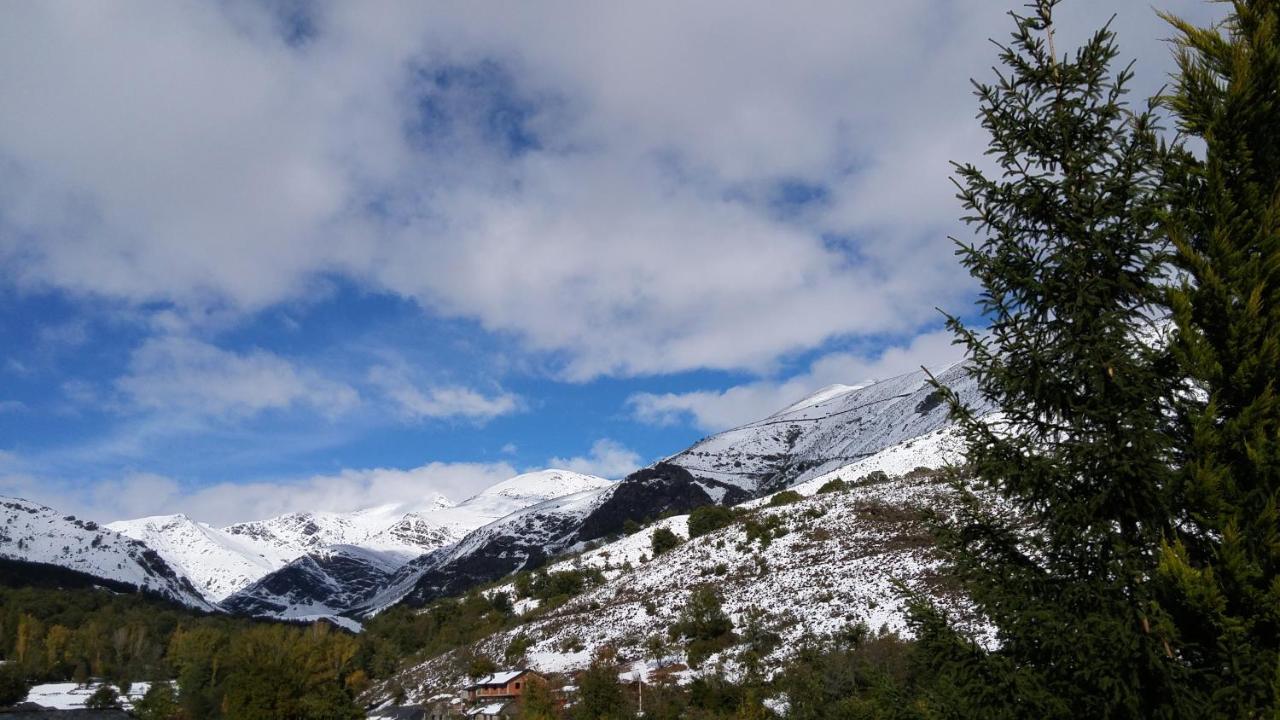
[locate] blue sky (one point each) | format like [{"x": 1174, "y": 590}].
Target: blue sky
[{"x": 259, "y": 257}]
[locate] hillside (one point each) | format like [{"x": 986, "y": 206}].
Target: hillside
[
  {"x": 808, "y": 568},
  {"x": 35, "y": 534}
]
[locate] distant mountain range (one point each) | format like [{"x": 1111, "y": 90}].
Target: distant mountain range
[{"x": 346, "y": 566}]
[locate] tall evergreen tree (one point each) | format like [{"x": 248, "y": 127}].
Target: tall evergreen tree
[
  {"x": 1067, "y": 247},
  {"x": 1224, "y": 571}
]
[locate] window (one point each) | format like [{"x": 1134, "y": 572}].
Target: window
[{"x": 517, "y": 686}]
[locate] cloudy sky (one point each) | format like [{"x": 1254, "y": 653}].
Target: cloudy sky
[{"x": 266, "y": 256}]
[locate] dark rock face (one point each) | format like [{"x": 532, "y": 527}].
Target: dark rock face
[
  {"x": 334, "y": 580},
  {"x": 531, "y": 539},
  {"x": 649, "y": 494},
  {"x": 501, "y": 555},
  {"x": 22, "y": 573}
]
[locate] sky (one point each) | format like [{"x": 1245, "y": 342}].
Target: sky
[{"x": 260, "y": 257}]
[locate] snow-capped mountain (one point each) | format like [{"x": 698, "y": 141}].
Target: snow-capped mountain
[
  {"x": 838, "y": 425},
  {"x": 326, "y": 564},
  {"x": 300, "y": 532},
  {"x": 318, "y": 584},
  {"x": 39, "y": 536},
  {"x": 810, "y": 567},
  {"x": 309, "y": 585},
  {"x": 217, "y": 562}
]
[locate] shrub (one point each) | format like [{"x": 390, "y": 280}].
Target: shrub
[
  {"x": 13, "y": 685},
  {"x": 704, "y": 625},
  {"x": 160, "y": 702},
  {"x": 663, "y": 540},
  {"x": 104, "y": 698},
  {"x": 709, "y": 518},
  {"x": 516, "y": 649},
  {"x": 786, "y": 497},
  {"x": 833, "y": 485}
]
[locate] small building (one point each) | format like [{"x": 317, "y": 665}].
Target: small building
[{"x": 506, "y": 685}]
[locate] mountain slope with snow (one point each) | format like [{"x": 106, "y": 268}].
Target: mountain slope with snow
[
  {"x": 34, "y": 533},
  {"x": 217, "y": 562},
  {"x": 369, "y": 581},
  {"x": 810, "y": 567},
  {"x": 836, "y": 426}
]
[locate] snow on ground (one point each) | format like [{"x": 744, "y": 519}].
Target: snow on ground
[
  {"x": 34, "y": 533},
  {"x": 836, "y": 563},
  {"x": 70, "y": 696}
]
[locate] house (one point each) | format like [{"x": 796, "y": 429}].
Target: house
[{"x": 506, "y": 685}]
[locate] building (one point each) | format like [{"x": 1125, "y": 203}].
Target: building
[{"x": 507, "y": 685}]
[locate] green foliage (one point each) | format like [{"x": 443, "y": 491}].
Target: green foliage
[
  {"x": 630, "y": 527},
  {"x": 703, "y": 625},
  {"x": 104, "y": 698},
  {"x": 764, "y": 529},
  {"x": 875, "y": 477},
  {"x": 600, "y": 696},
  {"x": 13, "y": 685},
  {"x": 786, "y": 497},
  {"x": 159, "y": 702},
  {"x": 663, "y": 540},
  {"x": 856, "y": 676},
  {"x": 277, "y": 672},
  {"x": 223, "y": 665},
  {"x": 1070, "y": 257},
  {"x": 479, "y": 665},
  {"x": 708, "y": 519},
  {"x": 557, "y": 586},
  {"x": 833, "y": 485},
  {"x": 519, "y": 645},
  {"x": 399, "y": 633},
  {"x": 537, "y": 702},
  {"x": 1220, "y": 573}
]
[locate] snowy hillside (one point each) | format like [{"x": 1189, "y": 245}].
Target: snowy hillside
[
  {"x": 838, "y": 425},
  {"x": 36, "y": 534},
  {"x": 806, "y": 568},
  {"x": 369, "y": 573},
  {"x": 217, "y": 562}
]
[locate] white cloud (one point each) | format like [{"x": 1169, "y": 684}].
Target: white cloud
[
  {"x": 141, "y": 494},
  {"x": 715, "y": 410},
  {"x": 607, "y": 458},
  {"x": 187, "y": 375},
  {"x": 183, "y": 152},
  {"x": 12, "y": 406},
  {"x": 416, "y": 403}
]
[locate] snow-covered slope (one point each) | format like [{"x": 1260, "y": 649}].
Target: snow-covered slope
[
  {"x": 373, "y": 578},
  {"x": 300, "y": 532},
  {"x": 524, "y": 538},
  {"x": 836, "y": 426},
  {"x": 33, "y": 533},
  {"x": 831, "y": 559},
  {"x": 217, "y": 562}
]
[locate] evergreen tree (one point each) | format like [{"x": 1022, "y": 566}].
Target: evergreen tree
[
  {"x": 104, "y": 698},
  {"x": 537, "y": 702},
  {"x": 703, "y": 624},
  {"x": 1223, "y": 573},
  {"x": 13, "y": 685},
  {"x": 1067, "y": 248},
  {"x": 159, "y": 702},
  {"x": 600, "y": 695}
]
